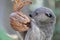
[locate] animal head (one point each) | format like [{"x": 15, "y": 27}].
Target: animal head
[{"x": 43, "y": 15}]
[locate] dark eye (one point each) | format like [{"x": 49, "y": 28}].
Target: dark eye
[
  {"x": 49, "y": 15},
  {"x": 36, "y": 13},
  {"x": 30, "y": 15}
]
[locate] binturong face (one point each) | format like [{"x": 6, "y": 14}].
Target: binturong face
[{"x": 43, "y": 15}]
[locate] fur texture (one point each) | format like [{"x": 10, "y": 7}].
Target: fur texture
[
  {"x": 43, "y": 26},
  {"x": 45, "y": 19}
]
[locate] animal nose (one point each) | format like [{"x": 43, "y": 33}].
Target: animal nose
[{"x": 30, "y": 15}]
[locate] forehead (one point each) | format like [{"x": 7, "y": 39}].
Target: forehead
[{"x": 43, "y": 9}]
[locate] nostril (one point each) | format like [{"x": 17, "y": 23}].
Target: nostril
[{"x": 30, "y": 15}]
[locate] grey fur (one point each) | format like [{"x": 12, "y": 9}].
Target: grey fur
[
  {"x": 34, "y": 33},
  {"x": 44, "y": 23}
]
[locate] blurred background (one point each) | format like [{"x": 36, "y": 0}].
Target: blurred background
[{"x": 6, "y": 8}]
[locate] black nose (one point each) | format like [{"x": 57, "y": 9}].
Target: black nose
[{"x": 30, "y": 15}]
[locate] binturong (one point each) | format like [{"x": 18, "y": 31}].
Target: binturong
[{"x": 44, "y": 25}]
